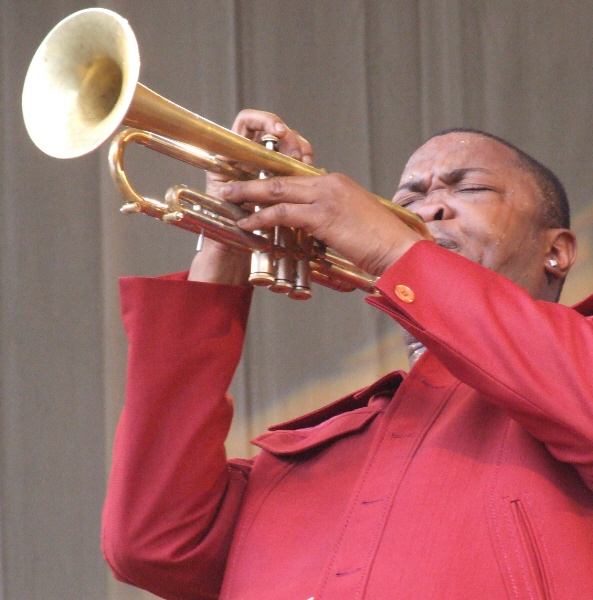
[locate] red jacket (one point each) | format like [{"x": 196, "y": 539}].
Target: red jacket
[{"x": 471, "y": 477}]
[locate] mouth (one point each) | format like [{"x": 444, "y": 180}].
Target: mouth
[{"x": 447, "y": 243}]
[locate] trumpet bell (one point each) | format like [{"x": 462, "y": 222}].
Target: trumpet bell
[{"x": 80, "y": 83}]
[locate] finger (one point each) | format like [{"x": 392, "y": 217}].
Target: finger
[
  {"x": 296, "y": 190},
  {"x": 296, "y": 146},
  {"x": 308, "y": 158},
  {"x": 289, "y": 215},
  {"x": 251, "y": 123}
]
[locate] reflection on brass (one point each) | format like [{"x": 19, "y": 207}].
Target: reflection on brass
[{"x": 82, "y": 85}]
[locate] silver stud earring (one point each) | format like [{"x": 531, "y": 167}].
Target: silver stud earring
[{"x": 553, "y": 263}]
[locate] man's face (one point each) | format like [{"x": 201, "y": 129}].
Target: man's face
[{"x": 478, "y": 202}]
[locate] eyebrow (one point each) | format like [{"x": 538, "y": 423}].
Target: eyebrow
[{"x": 452, "y": 177}]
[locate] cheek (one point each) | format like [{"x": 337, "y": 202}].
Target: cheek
[
  {"x": 496, "y": 240},
  {"x": 511, "y": 251},
  {"x": 483, "y": 236}
]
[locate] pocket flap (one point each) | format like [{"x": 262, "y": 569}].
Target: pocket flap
[{"x": 293, "y": 441}]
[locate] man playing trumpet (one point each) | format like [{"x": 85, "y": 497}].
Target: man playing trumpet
[{"x": 469, "y": 477}]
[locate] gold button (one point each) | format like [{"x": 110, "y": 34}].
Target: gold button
[{"x": 404, "y": 293}]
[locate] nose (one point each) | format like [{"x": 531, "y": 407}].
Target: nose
[{"x": 435, "y": 208}]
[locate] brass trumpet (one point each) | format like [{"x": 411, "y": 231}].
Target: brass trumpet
[{"x": 82, "y": 84}]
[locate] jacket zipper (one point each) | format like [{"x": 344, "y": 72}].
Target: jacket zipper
[{"x": 531, "y": 551}]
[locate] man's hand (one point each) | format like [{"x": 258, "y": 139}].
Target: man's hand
[
  {"x": 332, "y": 208},
  {"x": 218, "y": 263}
]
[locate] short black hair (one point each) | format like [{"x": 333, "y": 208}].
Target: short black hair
[{"x": 555, "y": 210}]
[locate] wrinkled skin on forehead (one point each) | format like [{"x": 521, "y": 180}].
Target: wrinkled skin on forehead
[{"x": 480, "y": 203}]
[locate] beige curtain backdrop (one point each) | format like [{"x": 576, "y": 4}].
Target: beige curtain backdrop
[{"x": 365, "y": 82}]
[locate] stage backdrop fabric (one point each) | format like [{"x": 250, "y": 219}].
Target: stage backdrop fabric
[{"x": 366, "y": 83}]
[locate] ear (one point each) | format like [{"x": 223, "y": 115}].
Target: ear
[{"x": 561, "y": 253}]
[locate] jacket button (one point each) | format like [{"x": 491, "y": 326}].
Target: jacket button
[{"x": 404, "y": 293}]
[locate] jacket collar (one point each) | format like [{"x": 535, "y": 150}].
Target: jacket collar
[{"x": 359, "y": 399}]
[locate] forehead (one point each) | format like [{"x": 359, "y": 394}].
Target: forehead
[{"x": 464, "y": 150}]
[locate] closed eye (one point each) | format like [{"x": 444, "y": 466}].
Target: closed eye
[
  {"x": 408, "y": 200},
  {"x": 474, "y": 188}
]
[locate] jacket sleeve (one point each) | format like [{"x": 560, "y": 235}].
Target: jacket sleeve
[
  {"x": 172, "y": 497},
  {"x": 532, "y": 358}
]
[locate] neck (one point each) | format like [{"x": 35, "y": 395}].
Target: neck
[{"x": 414, "y": 347}]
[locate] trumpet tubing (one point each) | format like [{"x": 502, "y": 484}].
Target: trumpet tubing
[{"x": 82, "y": 85}]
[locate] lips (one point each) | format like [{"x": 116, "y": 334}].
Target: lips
[
  {"x": 447, "y": 243},
  {"x": 443, "y": 236}
]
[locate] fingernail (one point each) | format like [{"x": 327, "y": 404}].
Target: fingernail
[
  {"x": 280, "y": 127},
  {"x": 226, "y": 190},
  {"x": 296, "y": 154},
  {"x": 308, "y": 159}
]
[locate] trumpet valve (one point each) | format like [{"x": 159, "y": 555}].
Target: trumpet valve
[
  {"x": 263, "y": 270},
  {"x": 284, "y": 281},
  {"x": 302, "y": 282},
  {"x": 263, "y": 264}
]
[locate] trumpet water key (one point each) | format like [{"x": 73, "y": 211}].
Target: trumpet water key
[{"x": 82, "y": 85}]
